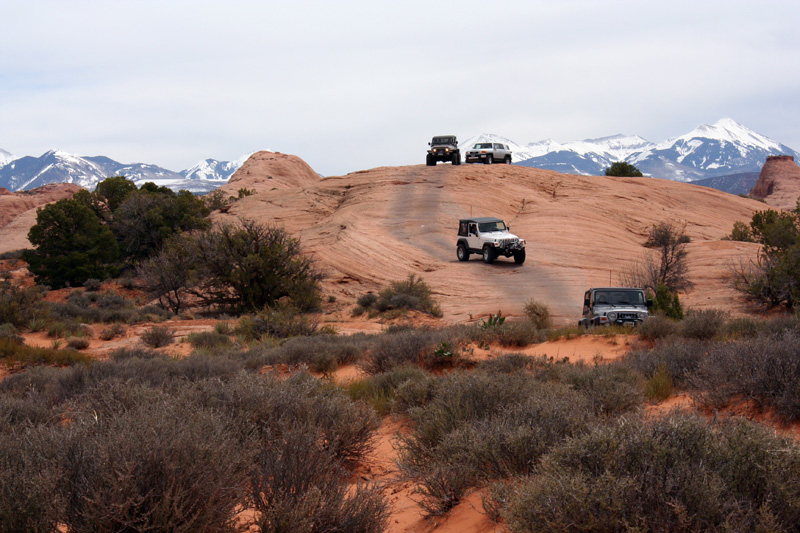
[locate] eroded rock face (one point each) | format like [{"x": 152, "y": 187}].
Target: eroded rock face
[
  {"x": 18, "y": 212},
  {"x": 779, "y": 182}
]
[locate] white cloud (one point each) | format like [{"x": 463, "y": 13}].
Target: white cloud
[{"x": 351, "y": 85}]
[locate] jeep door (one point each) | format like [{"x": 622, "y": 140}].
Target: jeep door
[{"x": 473, "y": 241}]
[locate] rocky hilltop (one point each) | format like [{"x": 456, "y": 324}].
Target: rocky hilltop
[
  {"x": 779, "y": 182},
  {"x": 18, "y": 212},
  {"x": 371, "y": 227}
]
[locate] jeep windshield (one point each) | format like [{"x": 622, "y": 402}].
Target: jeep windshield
[
  {"x": 482, "y": 146},
  {"x": 488, "y": 227},
  {"x": 443, "y": 140},
  {"x": 619, "y": 298}
]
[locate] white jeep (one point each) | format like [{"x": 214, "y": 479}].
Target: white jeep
[
  {"x": 621, "y": 306},
  {"x": 490, "y": 237},
  {"x": 489, "y": 153}
]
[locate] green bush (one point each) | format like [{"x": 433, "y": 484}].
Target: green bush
[
  {"x": 78, "y": 343},
  {"x": 623, "y": 169},
  {"x": 412, "y": 293}
]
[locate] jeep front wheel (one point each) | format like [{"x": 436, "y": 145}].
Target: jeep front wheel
[
  {"x": 456, "y": 159},
  {"x": 462, "y": 253},
  {"x": 430, "y": 161},
  {"x": 519, "y": 257},
  {"x": 488, "y": 254},
  {"x": 489, "y": 159}
]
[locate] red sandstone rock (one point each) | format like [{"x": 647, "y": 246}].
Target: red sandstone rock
[{"x": 779, "y": 182}]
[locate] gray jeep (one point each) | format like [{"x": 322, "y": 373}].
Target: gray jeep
[
  {"x": 443, "y": 148},
  {"x": 490, "y": 237},
  {"x": 621, "y": 306}
]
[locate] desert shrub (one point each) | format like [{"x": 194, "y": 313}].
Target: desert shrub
[
  {"x": 412, "y": 293},
  {"x": 308, "y": 349},
  {"x": 8, "y": 331},
  {"x": 656, "y": 327},
  {"x": 158, "y": 336},
  {"x": 122, "y": 354},
  {"x": 117, "y": 330},
  {"x": 703, "y": 324},
  {"x": 508, "y": 363},
  {"x": 367, "y": 300},
  {"x": 666, "y": 301},
  {"x": 164, "y": 465},
  {"x": 515, "y": 334},
  {"x": 106, "y": 307},
  {"x": 480, "y": 427},
  {"x": 29, "y": 479},
  {"x": 673, "y": 473},
  {"x": 659, "y": 386},
  {"x": 13, "y": 352},
  {"x": 765, "y": 369},
  {"x": 741, "y": 232},
  {"x": 92, "y": 284},
  {"x": 539, "y": 314},
  {"x": 611, "y": 389},
  {"x": 208, "y": 341},
  {"x": 20, "y": 305},
  {"x": 281, "y": 321},
  {"x": 623, "y": 169},
  {"x": 77, "y": 343},
  {"x": 411, "y": 346},
  {"x": 680, "y": 358},
  {"x": 298, "y": 486},
  {"x": 397, "y": 390}
]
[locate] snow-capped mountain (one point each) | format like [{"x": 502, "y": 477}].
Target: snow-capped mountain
[
  {"x": 5, "y": 157},
  {"x": 56, "y": 166},
  {"x": 723, "y": 148}
]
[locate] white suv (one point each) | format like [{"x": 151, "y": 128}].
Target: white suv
[
  {"x": 489, "y": 237},
  {"x": 489, "y": 153}
]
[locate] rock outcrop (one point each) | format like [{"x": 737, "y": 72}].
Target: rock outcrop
[
  {"x": 18, "y": 212},
  {"x": 267, "y": 171},
  {"x": 779, "y": 182}
]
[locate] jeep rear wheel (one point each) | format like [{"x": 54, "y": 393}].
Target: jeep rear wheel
[
  {"x": 507, "y": 160},
  {"x": 488, "y": 254},
  {"x": 462, "y": 253},
  {"x": 519, "y": 257}
]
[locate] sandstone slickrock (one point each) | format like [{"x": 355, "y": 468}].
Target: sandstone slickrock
[
  {"x": 371, "y": 227},
  {"x": 779, "y": 182},
  {"x": 18, "y": 212}
]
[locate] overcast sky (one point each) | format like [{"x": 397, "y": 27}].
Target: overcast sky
[{"x": 352, "y": 85}]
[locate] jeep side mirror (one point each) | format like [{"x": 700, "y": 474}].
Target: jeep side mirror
[{"x": 649, "y": 302}]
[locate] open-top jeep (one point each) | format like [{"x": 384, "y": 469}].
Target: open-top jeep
[
  {"x": 490, "y": 237},
  {"x": 608, "y": 306},
  {"x": 443, "y": 148}
]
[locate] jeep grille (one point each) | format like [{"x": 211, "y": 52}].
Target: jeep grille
[
  {"x": 628, "y": 316},
  {"x": 507, "y": 242}
]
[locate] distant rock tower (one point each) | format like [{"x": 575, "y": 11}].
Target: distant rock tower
[{"x": 779, "y": 182}]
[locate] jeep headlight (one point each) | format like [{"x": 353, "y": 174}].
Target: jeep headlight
[
  {"x": 612, "y": 316},
  {"x": 643, "y": 315}
]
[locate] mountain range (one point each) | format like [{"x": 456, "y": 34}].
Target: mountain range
[
  {"x": 726, "y": 151},
  {"x": 56, "y": 166},
  {"x": 724, "y": 148}
]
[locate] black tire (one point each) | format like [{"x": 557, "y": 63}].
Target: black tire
[
  {"x": 430, "y": 161},
  {"x": 489, "y": 159},
  {"x": 456, "y": 158},
  {"x": 488, "y": 255},
  {"x": 507, "y": 160},
  {"x": 519, "y": 257},
  {"x": 462, "y": 253}
]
